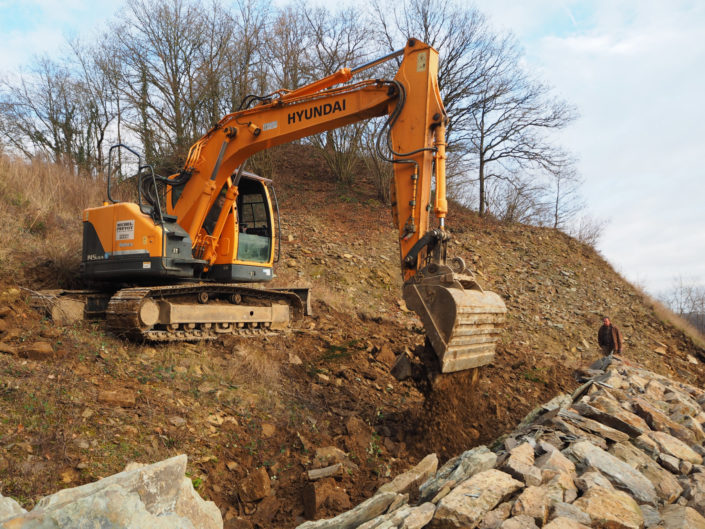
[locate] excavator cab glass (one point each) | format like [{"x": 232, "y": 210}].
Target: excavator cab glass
[{"x": 254, "y": 222}]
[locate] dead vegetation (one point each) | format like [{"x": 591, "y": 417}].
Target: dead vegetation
[{"x": 42, "y": 204}]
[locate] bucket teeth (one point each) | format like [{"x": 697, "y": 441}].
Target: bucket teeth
[{"x": 462, "y": 325}]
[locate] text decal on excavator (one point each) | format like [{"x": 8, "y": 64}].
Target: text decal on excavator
[{"x": 317, "y": 111}]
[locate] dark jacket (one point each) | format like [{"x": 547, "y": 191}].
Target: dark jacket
[{"x": 609, "y": 336}]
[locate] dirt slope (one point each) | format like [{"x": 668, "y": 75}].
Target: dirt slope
[{"x": 270, "y": 401}]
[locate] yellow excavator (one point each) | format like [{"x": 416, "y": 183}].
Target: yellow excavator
[{"x": 200, "y": 250}]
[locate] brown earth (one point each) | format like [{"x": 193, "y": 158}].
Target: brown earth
[{"x": 244, "y": 403}]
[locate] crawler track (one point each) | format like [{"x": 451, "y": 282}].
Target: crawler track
[{"x": 123, "y": 312}]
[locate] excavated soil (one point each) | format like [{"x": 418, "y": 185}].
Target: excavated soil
[{"x": 271, "y": 401}]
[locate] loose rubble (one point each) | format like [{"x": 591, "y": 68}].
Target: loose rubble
[{"x": 625, "y": 451}]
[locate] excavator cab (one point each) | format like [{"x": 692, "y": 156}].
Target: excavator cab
[
  {"x": 254, "y": 214},
  {"x": 248, "y": 244}
]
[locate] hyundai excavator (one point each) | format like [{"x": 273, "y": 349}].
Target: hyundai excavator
[{"x": 197, "y": 257}]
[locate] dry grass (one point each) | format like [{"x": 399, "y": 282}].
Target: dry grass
[
  {"x": 40, "y": 209},
  {"x": 665, "y": 315}
]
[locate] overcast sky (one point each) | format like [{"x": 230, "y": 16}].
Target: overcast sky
[{"x": 634, "y": 69}]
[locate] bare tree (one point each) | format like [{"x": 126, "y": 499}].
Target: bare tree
[
  {"x": 380, "y": 171},
  {"x": 287, "y": 48},
  {"x": 512, "y": 118},
  {"x": 43, "y": 113},
  {"x": 588, "y": 230},
  {"x": 566, "y": 202},
  {"x": 467, "y": 58},
  {"x": 518, "y": 200},
  {"x": 247, "y": 67},
  {"x": 98, "y": 89},
  {"x": 159, "y": 42},
  {"x": 338, "y": 40},
  {"x": 213, "y": 57},
  {"x": 498, "y": 115}
]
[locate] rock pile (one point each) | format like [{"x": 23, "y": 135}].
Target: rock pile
[
  {"x": 625, "y": 451},
  {"x": 155, "y": 496}
]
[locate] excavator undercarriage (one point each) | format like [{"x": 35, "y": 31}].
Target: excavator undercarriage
[{"x": 185, "y": 312}]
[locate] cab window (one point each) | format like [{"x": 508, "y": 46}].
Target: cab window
[{"x": 255, "y": 239}]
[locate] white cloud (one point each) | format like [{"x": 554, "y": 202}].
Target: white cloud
[
  {"x": 38, "y": 27},
  {"x": 635, "y": 72}
]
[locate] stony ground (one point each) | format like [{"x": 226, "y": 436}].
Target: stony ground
[
  {"x": 623, "y": 451},
  {"x": 77, "y": 404}
]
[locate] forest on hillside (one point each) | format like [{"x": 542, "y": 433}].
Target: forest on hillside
[{"x": 162, "y": 72}]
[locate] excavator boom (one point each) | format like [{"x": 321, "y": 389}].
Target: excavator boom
[{"x": 461, "y": 320}]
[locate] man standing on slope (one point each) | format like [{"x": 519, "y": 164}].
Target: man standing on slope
[{"x": 609, "y": 338}]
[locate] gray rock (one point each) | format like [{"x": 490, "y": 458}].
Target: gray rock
[
  {"x": 664, "y": 482},
  {"x": 494, "y": 518},
  {"x": 155, "y": 495},
  {"x": 570, "y": 511},
  {"x": 519, "y": 522},
  {"x": 686, "y": 467},
  {"x": 533, "y": 502},
  {"x": 611, "y": 508},
  {"x": 678, "y": 517},
  {"x": 682, "y": 402},
  {"x": 592, "y": 478},
  {"x": 675, "y": 447},
  {"x": 560, "y": 486},
  {"x": 647, "y": 445},
  {"x": 651, "y": 516},
  {"x": 694, "y": 491},
  {"x": 112, "y": 508},
  {"x": 419, "y": 516},
  {"x": 458, "y": 469},
  {"x": 364, "y": 512},
  {"x": 520, "y": 465},
  {"x": 409, "y": 481},
  {"x": 555, "y": 460},
  {"x": 611, "y": 414},
  {"x": 565, "y": 523},
  {"x": 620, "y": 473},
  {"x": 468, "y": 503},
  {"x": 9, "y": 508},
  {"x": 595, "y": 427},
  {"x": 670, "y": 463}
]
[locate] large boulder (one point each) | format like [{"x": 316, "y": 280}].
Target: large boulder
[{"x": 156, "y": 496}]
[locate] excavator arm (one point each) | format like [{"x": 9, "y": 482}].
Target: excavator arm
[
  {"x": 416, "y": 121},
  {"x": 460, "y": 319}
]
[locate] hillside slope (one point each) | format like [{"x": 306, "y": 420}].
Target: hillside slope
[{"x": 78, "y": 404}]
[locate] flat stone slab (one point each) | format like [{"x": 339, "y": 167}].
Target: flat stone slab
[
  {"x": 611, "y": 508},
  {"x": 665, "y": 483},
  {"x": 678, "y": 517},
  {"x": 364, "y": 512},
  {"x": 675, "y": 447},
  {"x": 410, "y": 480},
  {"x": 595, "y": 427},
  {"x": 620, "y": 473},
  {"x": 465, "y": 505}
]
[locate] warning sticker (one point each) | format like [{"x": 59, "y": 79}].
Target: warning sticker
[{"x": 125, "y": 230}]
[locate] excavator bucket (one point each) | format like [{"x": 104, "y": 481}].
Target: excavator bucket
[{"x": 461, "y": 321}]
